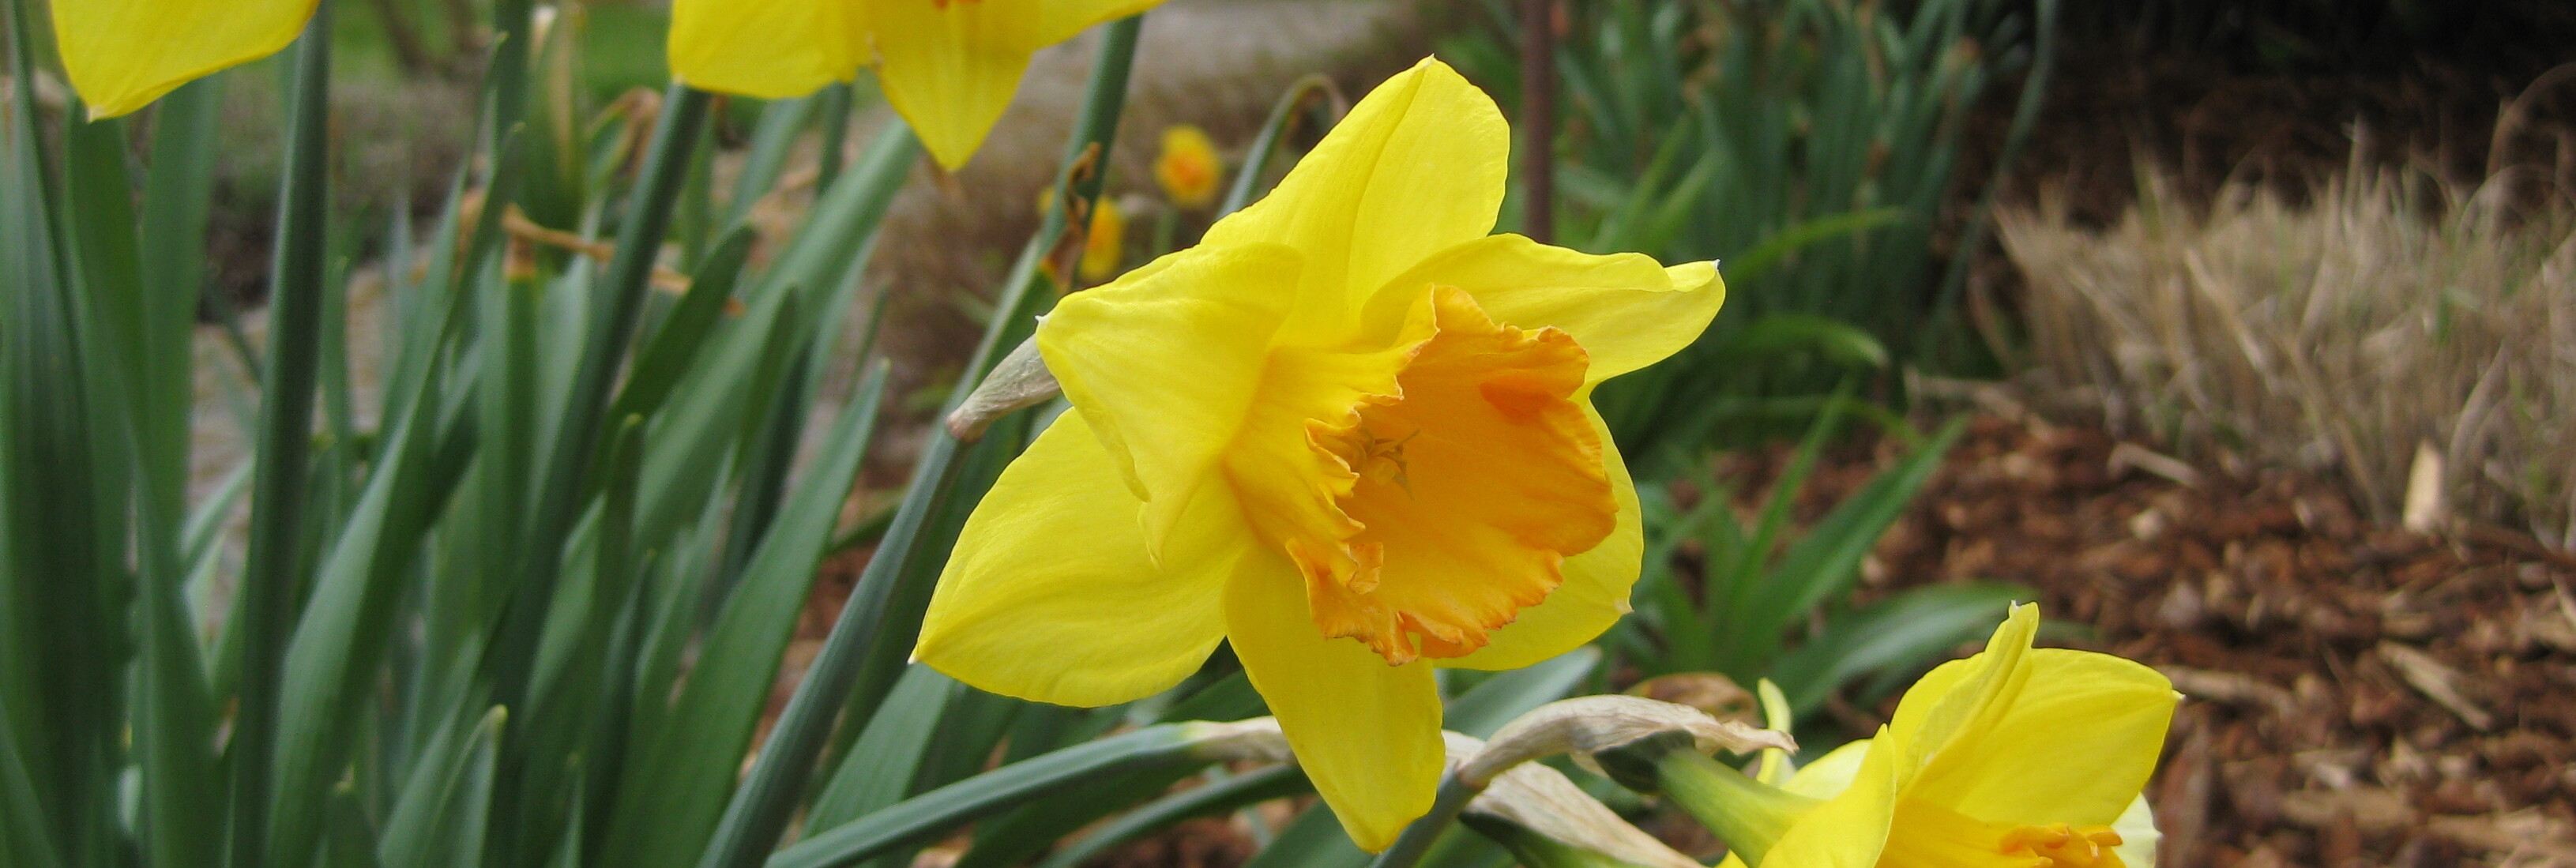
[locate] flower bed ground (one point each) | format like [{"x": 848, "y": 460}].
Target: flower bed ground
[{"x": 2357, "y": 695}]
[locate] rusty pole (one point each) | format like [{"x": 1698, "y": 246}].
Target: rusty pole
[{"x": 1538, "y": 119}]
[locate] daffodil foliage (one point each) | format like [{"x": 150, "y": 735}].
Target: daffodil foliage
[
  {"x": 2017, "y": 757},
  {"x": 949, "y": 66},
  {"x": 1349, "y": 433}
]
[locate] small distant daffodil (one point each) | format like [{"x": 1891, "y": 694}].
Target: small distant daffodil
[
  {"x": 1188, "y": 168},
  {"x": 1350, "y": 433},
  {"x": 948, "y": 66}
]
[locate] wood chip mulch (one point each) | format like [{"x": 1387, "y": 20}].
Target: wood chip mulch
[{"x": 2357, "y": 695}]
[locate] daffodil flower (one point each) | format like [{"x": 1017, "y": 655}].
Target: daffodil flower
[
  {"x": 1104, "y": 248},
  {"x": 123, "y": 54},
  {"x": 2017, "y": 757},
  {"x": 1349, "y": 433},
  {"x": 949, "y": 66},
  {"x": 1188, "y": 167}
]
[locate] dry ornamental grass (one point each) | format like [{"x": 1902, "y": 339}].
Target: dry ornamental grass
[{"x": 2418, "y": 340}]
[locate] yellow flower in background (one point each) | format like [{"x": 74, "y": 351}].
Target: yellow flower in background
[
  {"x": 2018, "y": 756},
  {"x": 123, "y": 54},
  {"x": 1104, "y": 248},
  {"x": 1349, "y": 433},
  {"x": 1188, "y": 168},
  {"x": 949, "y": 66}
]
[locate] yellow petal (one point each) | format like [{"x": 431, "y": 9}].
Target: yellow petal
[
  {"x": 1960, "y": 698},
  {"x": 1849, "y": 830},
  {"x": 2074, "y": 745},
  {"x": 1417, "y": 166},
  {"x": 1368, "y": 734},
  {"x": 1830, "y": 774},
  {"x": 2138, "y": 834},
  {"x": 123, "y": 54},
  {"x": 1626, "y": 310},
  {"x": 771, "y": 49},
  {"x": 1594, "y": 594},
  {"x": 1050, "y": 597},
  {"x": 951, "y": 68},
  {"x": 1066, "y": 18},
  {"x": 1164, "y": 363}
]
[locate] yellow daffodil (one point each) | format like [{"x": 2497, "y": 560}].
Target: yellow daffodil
[
  {"x": 1104, "y": 248},
  {"x": 949, "y": 66},
  {"x": 123, "y": 54},
  {"x": 1188, "y": 167},
  {"x": 2017, "y": 757},
  {"x": 1349, "y": 433}
]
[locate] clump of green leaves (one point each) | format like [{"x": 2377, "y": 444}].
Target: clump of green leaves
[
  {"x": 1807, "y": 145},
  {"x": 1756, "y": 598}
]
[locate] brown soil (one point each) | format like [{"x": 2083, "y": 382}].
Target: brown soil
[{"x": 2356, "y": 695}]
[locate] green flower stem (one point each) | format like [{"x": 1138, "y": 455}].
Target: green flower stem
[
  {"x": 761, "y": 809},
  {"x": 265, "y": 599},
  {"x": 1455, "y": 792},
  {"x": 507, "y": 79},
  {"x": 1747, "y": 814}
]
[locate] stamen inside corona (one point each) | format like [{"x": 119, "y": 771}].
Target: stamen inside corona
[
  {"x": 1471, "y": 488},
  {"x": 2058, "y": 845}
]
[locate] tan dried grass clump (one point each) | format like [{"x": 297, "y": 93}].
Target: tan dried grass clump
[{"x": 2387, "y": 316}]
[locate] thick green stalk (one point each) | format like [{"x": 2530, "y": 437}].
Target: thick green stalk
[
  {"x": 767, "y": 800},
  {"x": 1747, "y": 814},
  {"x": 265, "y": 598},
  {"x": 178, "y": 196},
  {"x": 506, "y": 80},
  {"x": 173, "y": 716},
  {"x": 83, "y": 637}
]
